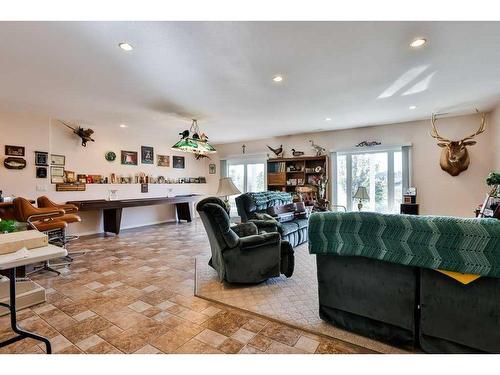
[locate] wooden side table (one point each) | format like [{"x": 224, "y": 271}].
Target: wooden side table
[{"x": 6, "y": 263}]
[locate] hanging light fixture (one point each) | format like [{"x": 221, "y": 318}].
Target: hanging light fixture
[{"x": 194, "y": 142}]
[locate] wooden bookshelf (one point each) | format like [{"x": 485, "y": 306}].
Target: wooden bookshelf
[{"x": 286, "y": 174}]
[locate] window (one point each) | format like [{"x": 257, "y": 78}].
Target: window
[
  {"x": 381, "y": 172},
  {"x": 248, "y": 176}
]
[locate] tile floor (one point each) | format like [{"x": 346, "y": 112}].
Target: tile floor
[
  {"x": 293, "y": 301},
  {"x": 135, "y": 294}
]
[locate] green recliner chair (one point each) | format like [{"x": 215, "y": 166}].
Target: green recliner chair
[{"x": 239, "y": 253}]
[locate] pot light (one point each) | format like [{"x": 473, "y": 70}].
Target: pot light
[
  {"x": 328, "y": 119},
  {"x": 278, "y": 78},
  {"x": 126, "y": 46},
  {"x": 412, "y": 107},
  {"x": 123, "y": 126},
  {"x": 418, "y": 42}
]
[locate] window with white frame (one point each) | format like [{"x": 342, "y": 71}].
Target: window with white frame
[
  {"x": 248, "y": 175},
  {"x": 383, "y": 172}
]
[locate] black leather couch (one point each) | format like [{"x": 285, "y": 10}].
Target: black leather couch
[
  {"x": 239, "y": 253},
  {"x": 293, "y": 231}
]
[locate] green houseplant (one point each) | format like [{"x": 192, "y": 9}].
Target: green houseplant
[{"x": 7, "y": 226}]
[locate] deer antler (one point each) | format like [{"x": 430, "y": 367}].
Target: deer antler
[
  {"x": 481, "y": 127},
  {"x": 434, "y": 132}
]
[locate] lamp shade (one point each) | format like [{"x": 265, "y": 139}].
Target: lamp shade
[
  {"x": 227, "y": 187},
  {"x": 361, "y": 193}
]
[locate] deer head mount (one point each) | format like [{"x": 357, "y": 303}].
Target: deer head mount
[{"x": 454, "y": 157}]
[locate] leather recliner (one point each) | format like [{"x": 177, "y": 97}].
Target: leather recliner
[{"x": 239, "y": 253}]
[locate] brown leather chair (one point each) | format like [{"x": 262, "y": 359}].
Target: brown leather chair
[
  {"x": 45, "y": 220},
  {"x": 69, "y": 209},
  {"x": 69, "y": 217}
]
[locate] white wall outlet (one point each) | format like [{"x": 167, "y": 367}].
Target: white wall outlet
[{"x": 41, "y": 187}]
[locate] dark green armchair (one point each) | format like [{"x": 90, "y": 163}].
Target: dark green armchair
[{"x": 239, "y": 253}]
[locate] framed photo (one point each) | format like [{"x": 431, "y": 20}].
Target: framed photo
[
  {"x": 57, "y": 159},
  {"x": 41, "y": 172},
  {"x": 41, "y": 158},
  {"x": 69, "y": 176},
  {"x": 14, "y": 150},
  {"x": 57, "y": 171},
  {"x": 411, "y": 191},
  {"x": 212, "y": 168},
  {"x": 144, "y": 188},
  {"x": 147, "y": 155},
  {"x": 163, "y": 160},
  {"x": 178, "y": 162},
  {"x": 129, "y": 157}
]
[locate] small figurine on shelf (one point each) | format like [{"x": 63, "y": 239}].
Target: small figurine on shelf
[
  {"x": 320, "y": 151},
  {"x": 277, "y": 151}
]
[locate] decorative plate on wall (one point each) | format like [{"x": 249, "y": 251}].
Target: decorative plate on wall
[
  {"x": 14, "y": 163},
  {"x": 110, "y": 156}
]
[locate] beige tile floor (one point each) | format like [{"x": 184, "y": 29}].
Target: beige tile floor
[
  {"x": 134, "y": 293},
  {"x": 293, "y": 301}
]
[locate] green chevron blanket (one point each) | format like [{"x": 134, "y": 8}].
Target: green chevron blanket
[
  {"x": 446, "y": 243},
  {"x": 264, "y": 197}
]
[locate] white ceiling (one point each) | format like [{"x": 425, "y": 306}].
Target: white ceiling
[{"x": 356, "y": 73}]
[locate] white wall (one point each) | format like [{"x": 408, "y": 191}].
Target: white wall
[
  {"x": 495, "y": 120},
  {"x": 40, "y": 133},
  {"x": 438, "y": 192}
]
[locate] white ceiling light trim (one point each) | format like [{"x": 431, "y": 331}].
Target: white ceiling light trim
[{"x": 126, "y": 46}]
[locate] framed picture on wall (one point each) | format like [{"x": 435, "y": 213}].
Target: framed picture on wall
[
  {"x": 57, "y": 159},
  {"x": 163, "y": 160},
  {"x": 147, "y": 155},
  {"x": 178, "y": 162},
  {"x": 41, "y": 158},
  {"x": 211, "y": 168},
  {"x": 129, "y": 157},
  {"x": 41, "y": 172},
  {"x": 14, "y": 150}
]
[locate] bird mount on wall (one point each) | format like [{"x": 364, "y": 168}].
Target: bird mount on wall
[
  {"x": 455, "y": 157},
  {"x": 277, "y": 151},
  {"x": 84, "y": 134},
  {"x": 320, "y": 151},
  {"x": 200, "y": 156}
]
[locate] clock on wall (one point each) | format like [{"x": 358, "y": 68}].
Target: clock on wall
[{"x": 110, "y": 156}]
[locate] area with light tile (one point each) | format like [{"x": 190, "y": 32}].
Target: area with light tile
[{"x": 124, "y": 297}]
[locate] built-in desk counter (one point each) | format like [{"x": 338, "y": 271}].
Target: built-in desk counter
[{"x": 112, "y": 209}]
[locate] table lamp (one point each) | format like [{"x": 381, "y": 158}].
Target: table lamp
[
  {"x": 226, "y": 189},
  {"x": 361, "y": 195}
]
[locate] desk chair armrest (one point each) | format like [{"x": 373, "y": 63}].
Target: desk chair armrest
[{"x": 45, "y": 214}]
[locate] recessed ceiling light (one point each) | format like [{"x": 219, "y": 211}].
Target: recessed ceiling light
[
  {"x": 126, "y": 46},
  {"x": 328, "y": 119},
  {"x": 123, "y": 126},
  {"x": 419, "y": 42},
  {"x": 412, "y": 107},
  {"x": 278, "y": 78}
]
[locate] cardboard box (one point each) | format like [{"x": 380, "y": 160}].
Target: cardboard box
[{"x": 30, "y": 239}]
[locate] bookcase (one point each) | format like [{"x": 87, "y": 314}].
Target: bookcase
[{"x": 289, "y": 174}]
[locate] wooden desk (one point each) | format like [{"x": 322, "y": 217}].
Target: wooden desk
[
  {"x": 112, "y": 210},
  {"x": 7, "y": 263}
]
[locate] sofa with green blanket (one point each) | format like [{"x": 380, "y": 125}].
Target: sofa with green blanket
[{"x": 383, "y": 276}]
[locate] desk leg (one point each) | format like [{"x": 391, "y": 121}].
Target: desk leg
[
  {"x": 183, "y": 211},
  {"x": 112, "y": 220},
  {"x": 13, "y": 318}
]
